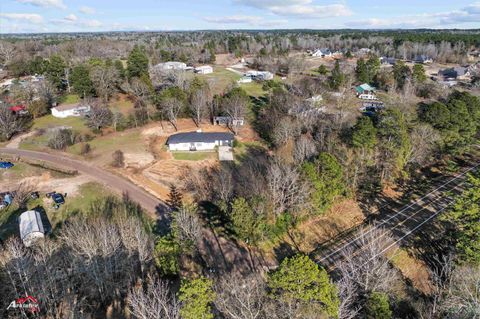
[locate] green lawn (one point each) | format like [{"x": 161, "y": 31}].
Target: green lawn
[
  {"x": 49, "y": 121},
  {"x": 81, "y": 202},
  {"x": 194, "y": 156},
  {"x": 220, "y": 79},
  {"x": 253, "y": 88},
  {"x": 70, "y": 99},
  {"x": 23, "y": 170},
  {"x": 129, "y": 140}
]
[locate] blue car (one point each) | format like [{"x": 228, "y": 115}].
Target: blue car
[
  {"x": 58, "y": 199},
  {"x": 6, "y": 165}
]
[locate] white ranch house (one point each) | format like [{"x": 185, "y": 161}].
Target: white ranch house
[
  {"x": 66, "y": 110},
  {"x": 31, "y": 227},
  {"x": 171, "y": 65},
  {"x": 323, "y": 53},
  {"x": 199, "y": 141},
  {"x": 204, "y": 69}
]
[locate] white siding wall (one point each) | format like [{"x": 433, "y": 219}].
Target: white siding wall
[
  {"x": 62, "y": 114},
  {"x": 198, "y": 146}
]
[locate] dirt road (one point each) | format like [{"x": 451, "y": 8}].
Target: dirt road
[{"x": 154, "y": 206}]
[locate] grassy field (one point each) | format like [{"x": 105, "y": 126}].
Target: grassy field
[
  {"x": 221, "y": 79},
  {"x": 81, "y": 202},
  {"x": 194, "y": 156},
  {"x": 253, "y": 89},
  {"x": 23, "y": 170},
  {"x": 130, "y": 140},
  {"x": 49, "y": 121},
  {"x": 70, "y": 99}
]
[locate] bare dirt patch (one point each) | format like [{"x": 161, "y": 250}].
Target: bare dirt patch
[
  {"x": 47, "y": 183},
  {"x": 412, "y": 269},
  {"x": 341, "y": 217}
]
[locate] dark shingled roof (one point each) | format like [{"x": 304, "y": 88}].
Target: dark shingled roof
[{"x": 196, "y": 137}]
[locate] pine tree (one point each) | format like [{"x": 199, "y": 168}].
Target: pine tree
[
  {"x": 137, "y": 63},
  {"x": 196, "y": 296},
  {"x": 337, "y": 78},
  {"x": 174, "y": 200},
  {"x": 300, "y": 279}
]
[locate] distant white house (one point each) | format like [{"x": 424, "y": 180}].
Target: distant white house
[
  {"x": 259, "y": 75},
  {"x": 171, "y": 65},
  {"x": 245, "y": 79},
  {"x": 365, "y": 92},
  {"x": 228, "y": 120},
  {"x": 323, "y": 53},
  {"x": 31, "y": 227},
  {"x": 66, "y": 110},
  {"x": 199, "y": 141},
  {"x": 204, "y": 69},
  {"x": 315, "y": 100}
]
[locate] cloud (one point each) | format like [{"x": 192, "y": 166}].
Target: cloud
[
  {"x": 45, "y": 3},
  {"x": 470, "y": 13},
  {"x": 72, "y": 21},
  {"x": 87, "y": 10},
  {"x": 242, "y": 19},
  {"x": 71, "y": 17},
  {"x": 23, "y": 17},
  {"x": 304, "y": 9},
  {"x": 237, "y": 19}
]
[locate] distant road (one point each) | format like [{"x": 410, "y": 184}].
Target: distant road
[
  {"x": 156, "y": 207},
  {"x": 399, "y": 222}
]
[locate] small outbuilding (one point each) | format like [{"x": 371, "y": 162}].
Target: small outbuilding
[
  {"x": 199, "y": 141},
  {"x": 365, "y": 92},
  {"x": 204, "y": 69},
  {"x": 66, "y": 110},
  {"x": 31, "y": 227}
]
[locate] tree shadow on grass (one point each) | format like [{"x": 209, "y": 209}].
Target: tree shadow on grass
[{"x": 216, "y": 218}]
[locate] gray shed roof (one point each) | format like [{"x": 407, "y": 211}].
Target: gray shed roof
[
  {"x": 30, "y": 222},
  {"x": 196, "y": 137}
]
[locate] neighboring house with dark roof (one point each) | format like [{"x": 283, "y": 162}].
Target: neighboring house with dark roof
[
  {"x": 31, "y": 227},
  {"x": 456, "y": 73},
  {"x": 324, "y": 52},
  {"x": 423, "y": 59},
  {"x": 387, "y": 60},
  {"x": 199, "y": 141}
]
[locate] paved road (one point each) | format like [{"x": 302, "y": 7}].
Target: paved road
[
  {"x": 151, "y": 204},
  {"x": 398, "y": 222}
]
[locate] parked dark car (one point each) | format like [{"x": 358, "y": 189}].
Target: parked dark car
[
  {"x": 6, "y": 165},
  {"x": 58, "y": 199}
]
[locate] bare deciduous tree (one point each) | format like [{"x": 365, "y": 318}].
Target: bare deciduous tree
[
  {"x": 235, "y": 106},
  {"x": 99, "y": 116},
  {"x": 7, "y": 52},
  {"x": 187, "y": 227},
  {"x": 364, "y": 269},
  {"x": 10, "y": 124},
  {"x": 171, "y": 108},
  {"x": 155, "y": 301},
  {"x": 106, "y": 80},
  {"x": 241, "y": 298},
  {"x": 305, "y": 148},
  {"x": 286, "y": 190},
  {"x": 199, "y": 103}
]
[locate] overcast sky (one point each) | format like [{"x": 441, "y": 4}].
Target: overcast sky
[{"x": 26, "y": 16}]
